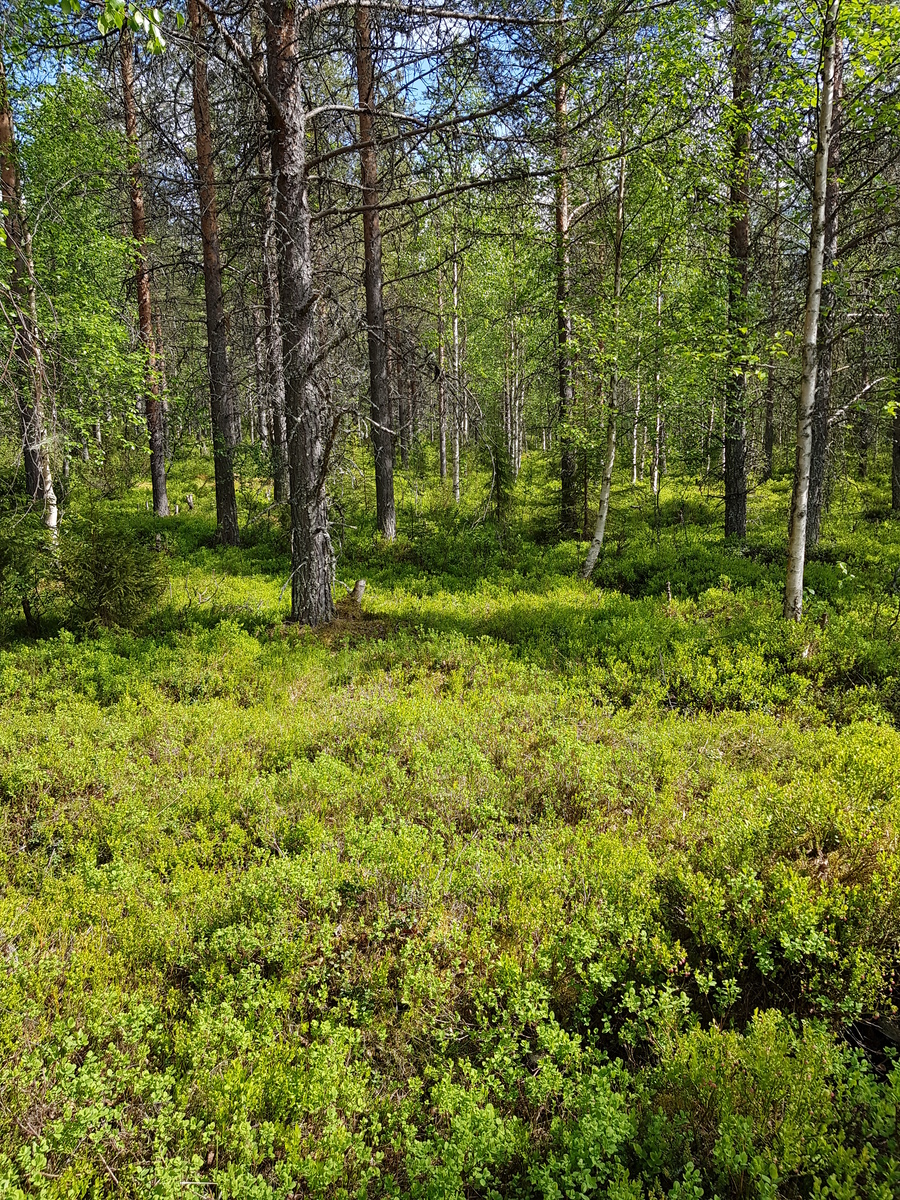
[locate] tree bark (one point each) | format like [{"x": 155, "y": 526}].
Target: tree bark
[
  {"x": 442, "y": 386},
  {"x": 263, "y": 410},
  {"x": 152, "y": 403},
  {"x": 818, "y": 468},
  {"x": 635, "y": 425},
  {"x": 793, "y": 589},
  {"x": 271, "y": 299},
  {"x": 29, "y": 373},
  {"x": 605, "y": 487},
  {"x": 404, "y": 409},
  {"x": 613, "y": 407},
  {"x": 456, "y": 373},
  {"x": 775, "y": 251},
  {"x": 312, "y": 556},
  {"x": 895, "y": 423},
  {"x": 863, "y": 416},
  {"x": 379, "y": 392},
  {"x": 738, "y": 274},
  {"x": 568, "y": 463},
  {"x": 413, "y": 405},
  {"x": 221, "y": 390},
  {"x": 656, "y": 461}
]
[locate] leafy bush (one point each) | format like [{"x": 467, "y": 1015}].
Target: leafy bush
[
  {"x": 27, "y": 568},
  {"x": 110, "y": 575},
  {"x": 531, "y": 890},
  {"x": 115, "y": 468},
  {"x": 776, "y": 1112}
]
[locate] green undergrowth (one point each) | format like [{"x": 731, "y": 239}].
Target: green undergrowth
[{"x": 513, "y": 886}]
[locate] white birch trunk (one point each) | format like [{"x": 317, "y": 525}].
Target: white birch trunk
[
  {"x": 613, "y": 408},
  {"x": 634, "y": 435},
  {"x": 793, "y": 585}
]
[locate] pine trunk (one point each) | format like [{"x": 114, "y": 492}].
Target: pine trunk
[
  {"x": 456, "y": 372},
  {"x": 442, "y": 387},
  {"x": 152, "y": 402},
  {"x": 818, "y": 468},
  {"x": 656, "y": 461},
  {"x": 404, "y": 411},
  {"x": 312, "y": 556},
  {"x": 221, "y": 391},
  {"x": 769, "y": 432},
  {"x": 379, "y": 392},
  {"x": 895, "y": 425},
  {"x": 263, "y": 412},
  {"x": 271, "y": 301},
  {"x": 738, "y": 267}
]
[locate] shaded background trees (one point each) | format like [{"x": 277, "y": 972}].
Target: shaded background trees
[{"x": 360, "y": 238}]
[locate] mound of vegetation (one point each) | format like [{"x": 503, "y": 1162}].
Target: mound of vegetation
[{"x": 509, "y": 886}]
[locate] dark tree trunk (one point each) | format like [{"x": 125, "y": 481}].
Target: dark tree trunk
[
  {"x": 160, "y": 349},
  {"x": 738, "y": 273},
  {"x": 221, "y": 391},
  {"x": 457, "y": 375},
  {"x": 862, "y": 421},
  {"x": 379, "y": 388},
  {"x": 152, "y": 403},
  {"x": 274, "y": 358},
  {"x": 442, "y": 387},
  {"x": 818, "y": 467},
  {"x": 769, "y": 434},
  {"x": 271, "y": 301},
  {"x": 29, "y": 364},
  {"x": 312, "y": 556}
]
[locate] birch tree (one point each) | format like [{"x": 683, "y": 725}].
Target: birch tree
[
  {"x": 30, "y": 378},
  {"x": 793, "y": 590}
]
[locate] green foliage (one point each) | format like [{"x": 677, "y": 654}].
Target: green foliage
[
  {"x": 66, "y": 144},
  {"x": 26, "y": 567},
  {"x": 515, "y": 887},
  {"x": 27, "y": 559},
  {"x": 110, "y": 575},
  {"x": 115, "y": 468}
]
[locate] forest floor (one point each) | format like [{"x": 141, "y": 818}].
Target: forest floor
[{"x": 508, "y": 885}]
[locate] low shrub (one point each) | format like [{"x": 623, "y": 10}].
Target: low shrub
[
  {"x": 27, "y": 570},
  {"x": 523, "y": 888},
  {"x": 110, "y": 575}
]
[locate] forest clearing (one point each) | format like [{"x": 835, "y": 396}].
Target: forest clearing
[
  {"x": 450, "y": 600},
  {"x": 505, "y": 885}
]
